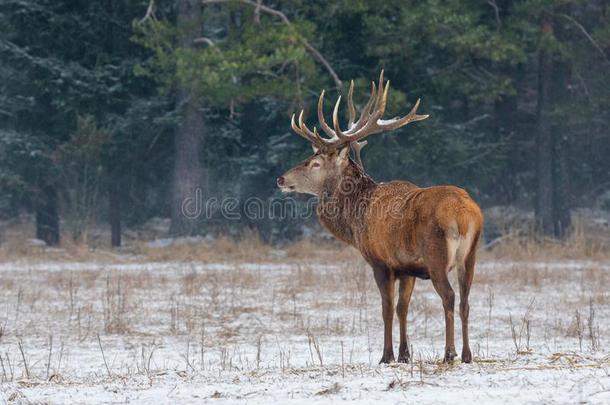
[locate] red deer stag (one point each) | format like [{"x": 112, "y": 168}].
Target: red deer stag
[{"x": 403, "y": 231}]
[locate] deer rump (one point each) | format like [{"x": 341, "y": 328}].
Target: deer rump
[{"x": 438, "y": 222}]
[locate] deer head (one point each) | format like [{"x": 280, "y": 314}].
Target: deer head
[{"x": 331, "y": 153}]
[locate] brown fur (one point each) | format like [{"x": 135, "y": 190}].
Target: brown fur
[{"x": 403, "y": 232}]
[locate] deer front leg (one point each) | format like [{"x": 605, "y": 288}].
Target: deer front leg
[
  {"x": 385, "y": 281},
  {"x": 402, "y": 307}
]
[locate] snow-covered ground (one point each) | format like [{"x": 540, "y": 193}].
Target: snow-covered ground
[{"x": 294, "y": 333}]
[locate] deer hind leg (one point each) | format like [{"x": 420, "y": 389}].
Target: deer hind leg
[
  {"x": 437, "y": 259},
  {"x": 405, "y": 290},
  {"x": 385, "y": 281},
  {"x": 443, "y": 288},
  {"x": 465, "y": 276}
]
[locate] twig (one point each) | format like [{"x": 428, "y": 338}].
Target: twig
[
  {"x": 50, "y": 353},
  {"x": 591, "y": 325},
  {"x": 61, "y": 355},
  {"x": 316, "y": 346},
  {"x": 490, "y": 303},
  {"x": 579, "y": 329},
  {"x": 187, "y": 356},
  {"x": 258, "y": 351},
  {"x": 342, "y": 361},
  {"x": 99, "y": 341},
  {"x": 261, "y": 7},
  {"x": 10, "y": 367},
  {"x": 411, "y": 360},
  {"x": 4, "y": 377},
  {"x": 499, "y": 239},
  {"x": 25, "y": 363},
  {"x": 203, "y": 346}
]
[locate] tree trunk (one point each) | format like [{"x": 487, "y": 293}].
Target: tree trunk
[
  {"x": 189, "y": 175},
  {"x": 47, "y": 217},
  {"x": 114, "y": 212},
  {"x": 561, "y": 191},
  {"x": 561, "y": 183},
  {"x": 505, "y": 112},
  {"x": 552, "y": 204},
  {"x": 544, "y": 140}
]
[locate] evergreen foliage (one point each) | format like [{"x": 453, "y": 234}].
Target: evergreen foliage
[{"x": 88, "y": 98}]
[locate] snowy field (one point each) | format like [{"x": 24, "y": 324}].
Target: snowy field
[{"x": 261, "y": 333}]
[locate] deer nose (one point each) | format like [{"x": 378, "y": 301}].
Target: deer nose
[{"x": 280, "y": 181}]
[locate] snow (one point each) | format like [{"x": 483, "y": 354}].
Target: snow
[
  {"x": 168, "y": 242},
  {"x": 247, "y": 333}
]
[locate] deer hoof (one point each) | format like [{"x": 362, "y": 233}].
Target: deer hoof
[
  {"x": 466, "y": 356},
  {"x": 387, "y": 359},
  {"x": 449, "y": 356}
]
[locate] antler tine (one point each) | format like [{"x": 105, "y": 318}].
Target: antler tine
[
  {"x": 369, "y": 122},
  {"x": 305, "y": 132},
  {"x": 379, "y": 99},
  {"x": 350, "y": 106},
  {"x": 399, "y": 122},
  {"x": 298, "y": 130},
  {"x": 321, "y": 119},
  {"x": 366, "y": 111},
  {"x": 384, "y": 98},
  {"x": 342, "y": 137},
  {"x": 357, "y": 147}
]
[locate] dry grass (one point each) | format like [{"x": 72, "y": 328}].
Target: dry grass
[
  {"x": 247, "y": 248},
  {"x": 585, "y": 242},
  {"x": 16, "y": 245}
]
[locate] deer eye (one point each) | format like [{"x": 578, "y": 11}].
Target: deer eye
[{"x": 315, "y": 164}]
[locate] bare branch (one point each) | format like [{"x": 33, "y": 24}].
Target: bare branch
[
  {"x": 204, "y": 40},
  {"x": 257, "y": 11},
  {"x": 150, "y": 12},
  {"x": 259, "y": 6},
  {"x": 493, "y": 4},
  {"x": 589, "y": 37}
]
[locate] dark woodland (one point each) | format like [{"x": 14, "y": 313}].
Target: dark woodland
[{"x": 113, "y": 113}]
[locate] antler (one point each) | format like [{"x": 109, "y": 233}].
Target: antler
[{"x": 369, "y": 122}]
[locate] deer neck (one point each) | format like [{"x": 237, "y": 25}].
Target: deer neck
[{"x": 344, "y": 201}]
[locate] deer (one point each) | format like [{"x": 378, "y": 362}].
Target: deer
[{"x": 404, "y": 232}]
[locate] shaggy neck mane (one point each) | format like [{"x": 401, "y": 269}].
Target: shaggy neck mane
[{"x": 343, "y": 202}]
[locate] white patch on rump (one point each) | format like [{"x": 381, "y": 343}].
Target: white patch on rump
[{"x": 458, "y": 245}]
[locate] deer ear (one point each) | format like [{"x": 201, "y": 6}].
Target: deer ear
[
  {"x": 315, "y": 148},
  {"x": 344, "y": 154}
]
